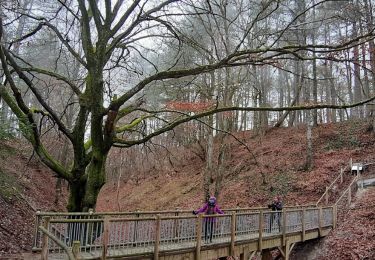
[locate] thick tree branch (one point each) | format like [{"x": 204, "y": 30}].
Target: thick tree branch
[
  {"x": 96, "y": 14},
  {"x": 85, "y": 30},
  {"x": 170, "y": 126}
]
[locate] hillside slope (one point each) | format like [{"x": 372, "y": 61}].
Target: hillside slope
[
  {"x": 281, "y": 156},
  {"x": 25, "y": 186}
]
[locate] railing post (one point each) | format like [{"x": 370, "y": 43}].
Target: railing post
[
  {"x": 334, "y": 215},
  {"x": 284, "y": 226},
  {"x": 341, "y": 175},
  {"x": 136, "y": 225},
  {"x": 303, "y": 224},
  {"x": 45, "y": 239},
  {"x": 36, "y": 232},
  {"x": 260, "y": 242},
  {"x": 157, "y": 238},
  {"x": 105, "y": 237},
  {"x": 233, "y": 233},
  {"x": 326, "y": 195},
  {"x": 199, "y": 237},
  {"x": 76, "y": 249},
  {"x": 349, "y": 195},
  {"x": 320, "y": 220},
  {"x": 176, "y": 223}
]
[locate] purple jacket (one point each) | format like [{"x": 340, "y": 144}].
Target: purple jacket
[{"x": 206, "y": 210}]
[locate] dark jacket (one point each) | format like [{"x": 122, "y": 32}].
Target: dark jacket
[{"x": 276, "y": 205}]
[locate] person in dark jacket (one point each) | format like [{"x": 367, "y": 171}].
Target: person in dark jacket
[
  {"x": 209, "y": 208},
  {"x": 276, "y": 205}
]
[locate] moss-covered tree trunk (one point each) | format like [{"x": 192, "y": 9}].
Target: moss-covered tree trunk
[
  {"x": 85, "y": 190},
  {"x": 85, "y": 187}
]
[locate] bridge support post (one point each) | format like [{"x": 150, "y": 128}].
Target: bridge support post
[
  {"x": 327, "y": 196},
  {"x": 285, "y": 250},
  {"x": 245, "y": 255}
]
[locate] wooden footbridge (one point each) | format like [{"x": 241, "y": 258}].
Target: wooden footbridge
[{"x": 171, "y": 235}]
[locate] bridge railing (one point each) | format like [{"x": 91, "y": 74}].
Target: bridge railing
[
  {"x": 37, "y": 243},
  {"x": 149, "y": 235}
]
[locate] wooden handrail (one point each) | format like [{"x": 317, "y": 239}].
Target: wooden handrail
[
  {"x": 342, "y": 170},
  {"x": 346, "y": 190},
  {"x": 100, "y": 214},
  {"x": 58, "y": 242}
]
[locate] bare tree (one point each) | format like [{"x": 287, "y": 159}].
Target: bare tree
[{"x": 127, "y": 39}]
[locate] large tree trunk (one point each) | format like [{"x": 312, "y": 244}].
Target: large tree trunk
[
  {"x": 95, "y": 181},
  {"x": 76, "y": 195},
  {"x": 84, "y": 190}
]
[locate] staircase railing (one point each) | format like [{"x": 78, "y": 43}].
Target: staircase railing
[{"x": 343, "y": 203}]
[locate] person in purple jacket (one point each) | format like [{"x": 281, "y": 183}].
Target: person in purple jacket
[{"x": 209, "y": 208}]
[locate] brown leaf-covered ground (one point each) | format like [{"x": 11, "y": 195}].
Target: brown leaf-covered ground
[
  {"x": 280, "y": 154},
  {"x": 355, "y": 237},
  {"x": 25, "y": 186}
]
